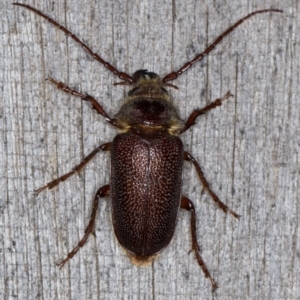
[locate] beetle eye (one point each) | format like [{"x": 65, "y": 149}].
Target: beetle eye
[
  {"x": 131, "y": 92},
  {"x": 164, "y": 91}
]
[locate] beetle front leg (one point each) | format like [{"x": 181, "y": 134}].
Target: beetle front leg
[
  {"x": 85, "y": 97},
  {"x": 53, "y": 183},
  {"x": 188, "y": 205},
  {"x": 102, "y": 192},
  {"x": 225, "y": 208},
  {"x": 197, "y": 112}
]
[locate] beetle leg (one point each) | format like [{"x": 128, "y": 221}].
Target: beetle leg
[
  {"x": 85, "y": 97},
  {"x": 188, "y": 205},
  {"x": 197, "y": 112},
  {"x": 225, "y": 208},
  {"x": 102, "y": 192},
  {"x": 53, "y": 183}
]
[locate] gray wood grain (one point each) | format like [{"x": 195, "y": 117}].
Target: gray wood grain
[{"x": 248, "y": 148}]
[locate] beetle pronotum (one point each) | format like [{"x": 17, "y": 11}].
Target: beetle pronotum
[{"x": 146, "y": 159}]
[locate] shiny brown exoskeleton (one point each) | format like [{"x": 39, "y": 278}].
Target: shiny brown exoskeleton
[{"x": 146, "y": 160}]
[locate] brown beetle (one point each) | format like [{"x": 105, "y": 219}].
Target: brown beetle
[{"x": 146, "y": 160}]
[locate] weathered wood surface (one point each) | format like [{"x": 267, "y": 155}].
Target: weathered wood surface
[{"x": 248, "y": 148}]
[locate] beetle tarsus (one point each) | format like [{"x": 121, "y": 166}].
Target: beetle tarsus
[
  {"x": 102, "y": 192},
  {"x": 37, "y": 191},
  {"x": 187, "y": 204}
]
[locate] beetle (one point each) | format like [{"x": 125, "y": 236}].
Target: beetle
[{"x": 147, "y": 158}]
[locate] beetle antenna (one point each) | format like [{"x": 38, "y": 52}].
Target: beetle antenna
[
  {"x": 123, "y": 76},
  {"x": 199, "y": 56},
  {"x": 123, "y": 83},
  {"x": 170, "y": 85}
]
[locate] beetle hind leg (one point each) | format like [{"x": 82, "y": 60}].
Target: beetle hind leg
[
  {"x": 102, "y": 192},
  {"x": 188, "y": 205}
]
